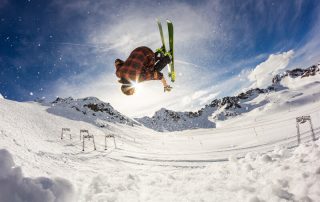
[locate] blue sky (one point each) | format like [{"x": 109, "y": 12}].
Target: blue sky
[{"x": 67, "y": 48}]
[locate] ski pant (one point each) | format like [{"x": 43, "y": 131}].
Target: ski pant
[{"x": 162, "y": 63}]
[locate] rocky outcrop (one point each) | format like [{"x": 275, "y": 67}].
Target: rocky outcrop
[
  {"x": 310, "y": 71},
  {"x": 89, "y": 109}
]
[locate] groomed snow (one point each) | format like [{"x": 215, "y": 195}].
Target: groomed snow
[{"x": 253, "y": 157}]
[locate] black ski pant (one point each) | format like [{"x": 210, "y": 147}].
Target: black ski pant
[{"x": 162, "y": 63}]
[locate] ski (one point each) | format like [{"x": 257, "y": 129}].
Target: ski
[
  {"x": 172, "y": 73},
  {"x": 163, "y": 48}
]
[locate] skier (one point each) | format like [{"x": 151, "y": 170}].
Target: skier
[{"x": 141, "y": 65}]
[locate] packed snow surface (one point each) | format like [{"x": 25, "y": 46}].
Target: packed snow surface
[{"x": 252, "y": 157}]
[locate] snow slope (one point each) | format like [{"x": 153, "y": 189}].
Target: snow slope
[{"x": 252, "y": 157}]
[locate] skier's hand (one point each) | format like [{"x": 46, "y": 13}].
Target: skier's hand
[{"x": 167, "y": 88}]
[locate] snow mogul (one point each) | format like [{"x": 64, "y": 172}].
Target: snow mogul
[{"x": 142, "y": 65}]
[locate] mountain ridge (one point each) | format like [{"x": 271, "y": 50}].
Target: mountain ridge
[{"x": 221, "y": 109}]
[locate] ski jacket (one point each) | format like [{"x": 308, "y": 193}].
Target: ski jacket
[{"x": 139, "y": 66}]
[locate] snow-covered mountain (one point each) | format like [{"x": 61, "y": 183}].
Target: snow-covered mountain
[
  {"x": 310, "y": 71},
  {"x": 90, "y": 110},
  {"x": 167, "y": 120},
  {"x": 218, "y": 109},
  {"x": 230, "y": 106}
]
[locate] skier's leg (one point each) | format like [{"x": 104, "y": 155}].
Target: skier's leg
[{"x": 162, "y": 63}]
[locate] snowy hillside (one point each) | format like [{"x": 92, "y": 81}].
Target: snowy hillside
[
  {"x": 229, "y": 107},
  {"x": 90, "y": 110},
  {"x": 250, "y": 158}
]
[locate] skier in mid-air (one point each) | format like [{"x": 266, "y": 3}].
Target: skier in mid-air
[{"x": 142, "y": 65}]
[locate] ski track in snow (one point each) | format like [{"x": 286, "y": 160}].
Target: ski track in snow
[{"x": 254, "y": 157}]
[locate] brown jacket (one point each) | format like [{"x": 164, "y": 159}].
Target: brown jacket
[{"x": 139, "y": 66}]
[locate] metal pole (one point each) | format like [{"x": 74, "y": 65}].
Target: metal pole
[
  {"x": 114, "y": 140},
  {"x": 82, "y": 143},
  {"x": 94, "y": 144},
  {"x": 312, "y": 132},
  {"x": 105, "y": 142},
  {"x": 298, "y": 132}
]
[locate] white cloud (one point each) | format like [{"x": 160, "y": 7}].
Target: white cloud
[
  {"x": 138, "y": 27},
  {"x": 263, "y": 73}
]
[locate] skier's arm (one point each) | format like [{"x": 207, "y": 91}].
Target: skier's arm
[
  {"x": 166, "y": 87},
  {"x": 164, "y": 82}
]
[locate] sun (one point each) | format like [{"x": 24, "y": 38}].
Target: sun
[{"x": 137, "y": 86}]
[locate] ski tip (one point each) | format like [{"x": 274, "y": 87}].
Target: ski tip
[{"x": 169, "y": 21}]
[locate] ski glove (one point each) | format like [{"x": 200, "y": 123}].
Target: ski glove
[{"x": 167, "y": 88}]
